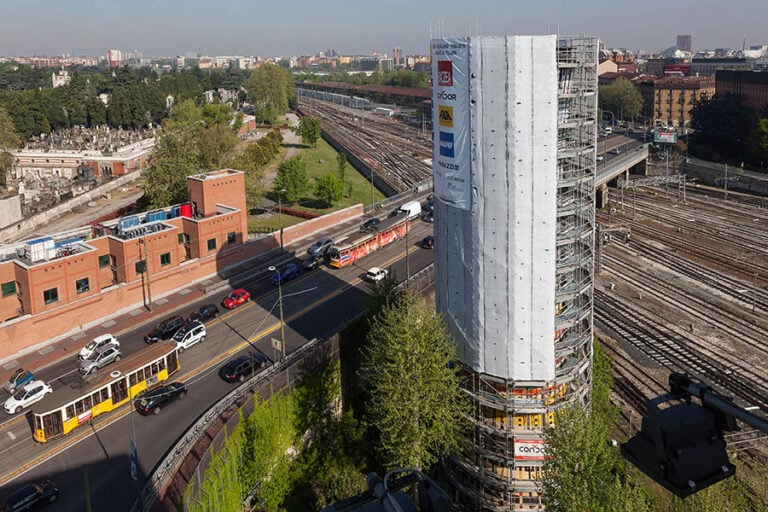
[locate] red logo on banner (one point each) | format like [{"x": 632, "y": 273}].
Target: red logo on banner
[{"x": 445, "y": 73}]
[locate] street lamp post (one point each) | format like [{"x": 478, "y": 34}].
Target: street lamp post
[
  {"x": 280, "y": 213},
  {"x": 280, "y": 300}
]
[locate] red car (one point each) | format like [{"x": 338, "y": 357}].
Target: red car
[{"x": 237, "y": 297}]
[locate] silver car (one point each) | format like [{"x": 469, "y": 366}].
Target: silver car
[{"x": 100, "y": 358}]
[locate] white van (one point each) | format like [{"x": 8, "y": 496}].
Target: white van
[
  {"x": 190, "y": 334},
  {"x": 412, "y": 208}
]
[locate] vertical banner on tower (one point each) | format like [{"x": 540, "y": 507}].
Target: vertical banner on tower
[{"x": 450, "y": 121}]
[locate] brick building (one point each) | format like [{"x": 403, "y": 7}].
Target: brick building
[
  {"x": 58, "y": 285},
  {"x": 668, "y": 101},
  {"x": 751, "y": 85}
]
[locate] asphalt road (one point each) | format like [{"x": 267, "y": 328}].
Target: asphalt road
[{"x": 94, "y": 460}]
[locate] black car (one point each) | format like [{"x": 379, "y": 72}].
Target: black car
[
  {"x": 152, "y": 402},
  {"x": 428, "y": 217},
  {"x": 370, "y": 224},
  {"x": 428, "y": 242},
  {"x": 31, "y": 497},
  {"x": 242, "y": 367},
  {"x": 313, "y": 262},
  {"x": 204, "y": 313},
  {"x": 164, "y": 329}
]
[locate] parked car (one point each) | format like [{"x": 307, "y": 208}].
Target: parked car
[
  {"x": 599, "y": 158},
  {"x": 18, "y": 380},
  {"x": 428, "y": 242},
  {"x": 31, "y": 392},
  {"x": 204, "y": 313},
  {"x": 429, "y": 205},
  {"x": 31, "y": 497},
  {"x": 242, "y": 367},
  {"x": 236, "y": 298},
  {"x": 288, "y": 272},
  {"x": 159, "y": 397},
  {"x": 428, "y": 217},
  {"x": 95, "y": 344},
  {"x": 189, "y": 334},
  {"x": 313, "y": 262},
  {"x": 370, "y": 224},
  {"x": 320, "y": 246},
  {"x": 164, "y": 329},
  {"x": 100, "y": 358},
  {"x": 376, "y": 274}
]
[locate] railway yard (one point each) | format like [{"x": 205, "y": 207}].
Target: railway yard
[{"x": 685, "y": 291}]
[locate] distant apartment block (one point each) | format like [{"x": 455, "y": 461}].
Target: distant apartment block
[
  {"x": 751, "y": 85},
  {"x": 684, "y": 42},
  {"x": 114, "y": 58},
  {"x": 669, "y": 101},
  {"x": 708, "y": 67}
]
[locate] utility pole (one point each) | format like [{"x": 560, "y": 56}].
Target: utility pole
[
  {"x": 280, "y": 300},
  {"x": 280, "y": 213}
]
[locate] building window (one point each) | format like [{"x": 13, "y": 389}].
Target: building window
[
  {"x": 9, "y": 288},
  {"x": 104, "y": 261},
  {"x": 231, "y": 237},
  {"x": 165, "y": 259},
  {"x": 81, "y": 285},
  {"x": 180, "y": 238},
  {"x": 212, "y": 244},
  {"x": 141, "y": 266},
  {"x": 51, "y": 296}
]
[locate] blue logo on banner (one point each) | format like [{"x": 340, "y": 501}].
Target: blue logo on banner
[{"x": 446, "y": 144}]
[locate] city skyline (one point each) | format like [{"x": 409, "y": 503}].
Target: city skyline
[{"x": 43, "y": 27}]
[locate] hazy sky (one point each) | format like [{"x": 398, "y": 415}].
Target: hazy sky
[{"x": 273, "y": 28}]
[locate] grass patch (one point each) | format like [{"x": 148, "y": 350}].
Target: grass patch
[
  {"x": 320, "y": 161},
  {"x": 260, "y": 224}
]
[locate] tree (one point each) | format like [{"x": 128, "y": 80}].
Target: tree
[
  {"x": 269, "y": 89},
  {"x": 758, "y": 143},
  {"x": 416, "y": 404},
  {"x": 309, "y": 130},
  {"x": 8, "y": 140},
  {"x": 621, "y": 98},
  {"x": 341, "y": 165},
  {"x": 191, "y": 141},
  {"x": 722, "y": 125},
  {"x": 584, "y": 472},
  {"x": 329, "y": 189},
  {"x": 292, "y": 177}
]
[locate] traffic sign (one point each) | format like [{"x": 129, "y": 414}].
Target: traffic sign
[{"x": 276, "y": 344}]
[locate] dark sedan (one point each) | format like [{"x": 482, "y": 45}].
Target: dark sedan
[
  {"x": 370, "y": 224},
  {"x": 152, "y": 402},
  {"x": 164, "y": 329}
]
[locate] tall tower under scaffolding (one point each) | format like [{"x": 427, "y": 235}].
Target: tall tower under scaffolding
[{"x": 514, "y": 167}]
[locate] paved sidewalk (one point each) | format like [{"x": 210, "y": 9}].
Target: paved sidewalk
[{"x": 164, "y": 305}]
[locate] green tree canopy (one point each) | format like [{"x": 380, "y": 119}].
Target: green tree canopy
[
  {"x": 191, "y": 141},
  {"x": 584, "y": 472},
  {"x": 270, "y": 87},
  {"x": 416, "y": 404},
  {"x": 722, "y": 127},
  {"x": 309, "y": 130},
  {"x": 758, "y": 143},
  {"x": 621, "y": 98},
  {"x": 341, "y": 165},
  {"x": 329, "y": 189},
  {"x": 9, "y": 140},
  {"x": 292, "y": 177}
]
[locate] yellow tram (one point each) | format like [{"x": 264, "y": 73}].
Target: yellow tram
[{"x": 68, "y": 407}]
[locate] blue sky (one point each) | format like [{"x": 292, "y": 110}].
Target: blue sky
[{"x": 272, "y": 28}]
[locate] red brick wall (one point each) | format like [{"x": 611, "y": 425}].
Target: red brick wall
[{"x": 9, "y": 306}]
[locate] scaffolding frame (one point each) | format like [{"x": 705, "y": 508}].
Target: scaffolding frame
[{"x": 505, "y": 411}]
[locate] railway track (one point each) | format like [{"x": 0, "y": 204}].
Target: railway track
[{"x": 673, "y": 352}]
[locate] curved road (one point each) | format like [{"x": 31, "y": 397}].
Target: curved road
[{"x": 94, "y": 459}]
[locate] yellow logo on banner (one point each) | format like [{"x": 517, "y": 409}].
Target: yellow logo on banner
[{"x": 446, "y": 116}]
